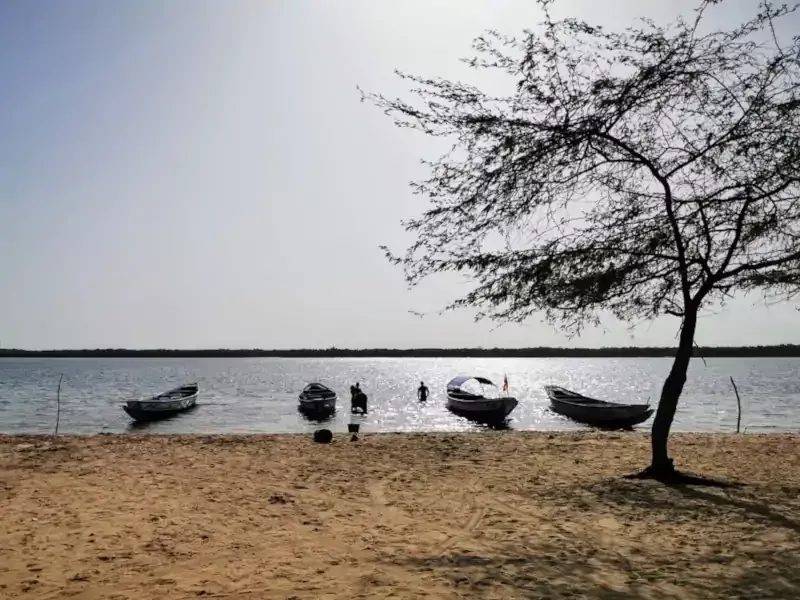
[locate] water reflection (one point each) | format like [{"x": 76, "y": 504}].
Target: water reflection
[
  {"x": 143, "y": 426},
  {"x": 318, "y": 418},
  {"x": 260, "y": 395}
]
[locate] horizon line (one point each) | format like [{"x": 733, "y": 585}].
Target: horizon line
[
  {"x": 773, "y": 350},
  {"x": 365, "y": 349}
]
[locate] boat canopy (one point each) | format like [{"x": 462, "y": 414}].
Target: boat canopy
[{"x": 457, "y": 382}]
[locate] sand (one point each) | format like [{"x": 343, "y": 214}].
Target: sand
[{"x": 495, "y": 515}]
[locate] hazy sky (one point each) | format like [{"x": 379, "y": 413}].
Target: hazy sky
[{"x": 198, "y": 173}]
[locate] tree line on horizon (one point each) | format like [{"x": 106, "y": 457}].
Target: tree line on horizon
[{"x": 776, "y": 351}]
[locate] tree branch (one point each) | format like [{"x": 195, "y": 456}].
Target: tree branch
[{"x": 668, "y": 205}]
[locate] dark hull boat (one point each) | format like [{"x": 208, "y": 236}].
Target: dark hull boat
[
  {"x": 478, "y": 407},
  {"x": 597, "y": 413},
  {"x": 317, "y": 401},
  {"x": 164, "y": 405}
]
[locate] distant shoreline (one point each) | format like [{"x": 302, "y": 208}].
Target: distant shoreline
[{"x": 781, "y": 351}]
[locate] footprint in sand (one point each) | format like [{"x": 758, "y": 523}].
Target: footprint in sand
[
  {"x": 377, "y": 488},
  {"x": 477, "y": 512},
  {"x": 609, "y": 523},
  {"x": 376, "y": 491}
]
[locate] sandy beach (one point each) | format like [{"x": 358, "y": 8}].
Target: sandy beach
[{"x": 496, "y": 515}]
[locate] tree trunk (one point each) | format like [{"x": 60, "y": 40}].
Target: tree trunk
[{"x": 661, "y": 465}]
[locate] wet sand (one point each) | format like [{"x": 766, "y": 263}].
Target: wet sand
[{"x": 495, "y": 515}]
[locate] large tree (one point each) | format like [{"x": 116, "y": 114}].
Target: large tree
[{"x": 649, "y": 172}]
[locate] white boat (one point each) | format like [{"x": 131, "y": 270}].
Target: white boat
[
  {"x": 478, "y": 406},
  {"x": 164, "y": 405},
  {"x": 317, "y": 400}
]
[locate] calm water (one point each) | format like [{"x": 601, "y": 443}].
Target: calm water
[{"x": 260, "y": 395}]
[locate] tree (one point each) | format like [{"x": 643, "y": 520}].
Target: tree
[{"x": 650, "y": 172}]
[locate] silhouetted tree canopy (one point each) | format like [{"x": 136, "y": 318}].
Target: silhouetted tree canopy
[{"x": 644, "y": 173}]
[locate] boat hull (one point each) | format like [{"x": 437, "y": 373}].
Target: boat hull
[
  {"x": 317, "y": 401},
  {"x": 482, "y": 409},
  {"x": 597, "y": 413},
  {"x": 317, "y": 406},
  {"x": 154, "y": 409}
]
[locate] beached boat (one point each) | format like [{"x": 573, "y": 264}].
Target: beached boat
[
  {"x": 597, "y": 413},
  {"x": 164, "y": 405},
  {"x": 317, "y": 400},
  {"x": 478, "y": 406}
]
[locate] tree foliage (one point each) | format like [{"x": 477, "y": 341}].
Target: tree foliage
[
  {"x": 644, "y": 173},
  {"x": 648, "y": 172}
]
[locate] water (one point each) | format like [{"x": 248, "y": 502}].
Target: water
[{"x": 241, "y": 395}]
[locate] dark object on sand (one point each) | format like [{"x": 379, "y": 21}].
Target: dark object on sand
[
  {"x": 323, "y": 436},
  {"x": 597, "y": 413},
  {"x": 478, "y": 407},
  {"x": 317, "y": 401},
  {"x": 164, "y": 405},
  {"x": 353, "y": 427}
]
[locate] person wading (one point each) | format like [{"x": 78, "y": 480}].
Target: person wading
[{"x": 358, "y": 399}]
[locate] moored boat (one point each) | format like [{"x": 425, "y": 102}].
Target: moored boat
[
  {"x": 478, "y": 406},
  {"x": 164, "y": 405},
  {"x": 317, "y": 400},
  {"x": 597, "y": 413}
]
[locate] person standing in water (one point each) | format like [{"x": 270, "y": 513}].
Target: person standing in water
[
  {"x": 358, "y": 399},
  {"x": 422, "y": 392}
]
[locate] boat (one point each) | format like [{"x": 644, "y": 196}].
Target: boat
[
  {"x": 478, "y": 407},
  {"x": 317, "y": 400},
  {"x": 164, "y": 405},
  {"x": 597, "y": 413}
]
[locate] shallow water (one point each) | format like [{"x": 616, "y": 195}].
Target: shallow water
[{"x": 248, "y": 395}]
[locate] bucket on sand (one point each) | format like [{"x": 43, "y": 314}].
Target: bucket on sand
[{"x": 353, "y": 427}]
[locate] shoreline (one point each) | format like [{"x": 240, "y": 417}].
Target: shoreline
[
  {"x": 396, "y": 515},
  {"x": 341, "y": 432}
]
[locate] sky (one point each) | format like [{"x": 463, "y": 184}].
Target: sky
[{"x": 202, "y": 174}]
